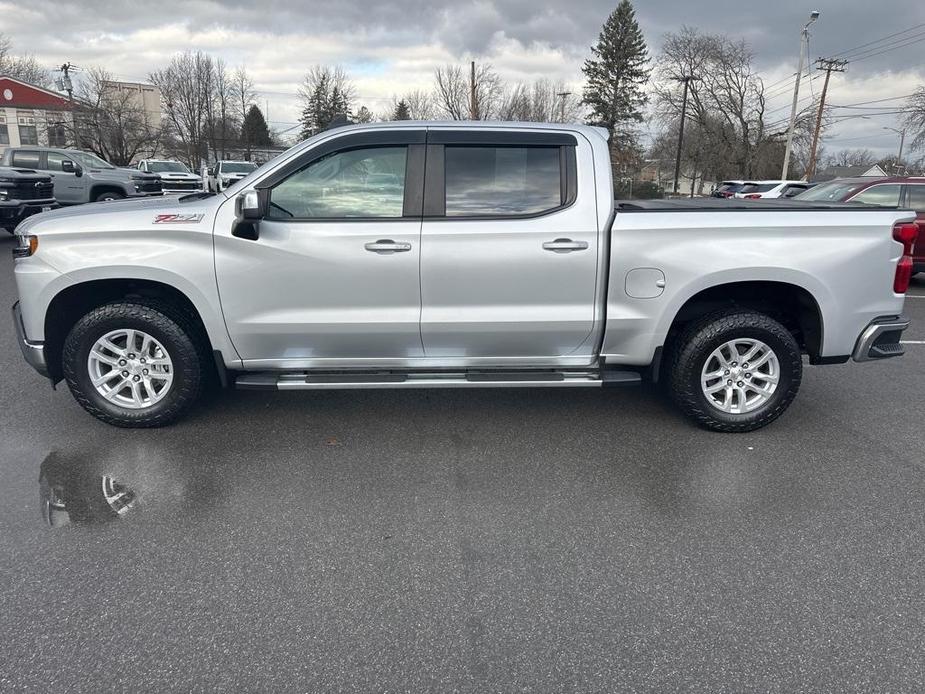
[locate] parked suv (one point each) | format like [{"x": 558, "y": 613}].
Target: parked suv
[
  {"x": 892, "y": 191},
  {"x": 225, "y": 173},
  {"x": 23, "y": 193},
  {"x": 83, "y": 177},
  {"x": 765, "y": 190},
  {"x": 175, "y": 176}
]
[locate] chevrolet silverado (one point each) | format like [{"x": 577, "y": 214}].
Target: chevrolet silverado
[{"x": 412, "y": 255}]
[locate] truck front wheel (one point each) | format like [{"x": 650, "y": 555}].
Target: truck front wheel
[
  {"x": 133, "y": 365},
  {"x": 735, "y": 372},
  {"x": 109, "y": 195}
]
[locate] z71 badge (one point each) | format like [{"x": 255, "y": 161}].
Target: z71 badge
[{"x": 177, "y": 218}]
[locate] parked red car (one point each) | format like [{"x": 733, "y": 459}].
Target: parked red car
[{"x": 893, "y": 191}]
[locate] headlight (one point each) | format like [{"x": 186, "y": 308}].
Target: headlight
[{"x": 4, "y": 194}]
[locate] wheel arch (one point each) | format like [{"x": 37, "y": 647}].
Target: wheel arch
[
  {"x": 76, "y": 300},
  {"x": 792, "y": 304}
]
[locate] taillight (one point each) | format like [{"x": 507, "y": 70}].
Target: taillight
[{"x": 906, "y": 234}]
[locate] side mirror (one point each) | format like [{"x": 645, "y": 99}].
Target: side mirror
[
  {"x": 78, "y": 170},
  {"x": 250, "y": 208},
  {"x": 67, "y": 166},
  {"x": 252, "y": 204}
]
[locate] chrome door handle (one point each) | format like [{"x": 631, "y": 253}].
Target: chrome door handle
[
  {"x": 387, "y": 246},
  {"x": 565, "y": 246}
]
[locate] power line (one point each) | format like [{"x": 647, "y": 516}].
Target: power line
[
  {"x": 891, "y": 47},
  {"x": 850, "y": 51}
]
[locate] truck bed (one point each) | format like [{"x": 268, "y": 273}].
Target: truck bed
[{"x": 739, "y": 205}]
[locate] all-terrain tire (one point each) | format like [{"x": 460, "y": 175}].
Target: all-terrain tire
[
  {"x": 691, "y": 351},
  {"x": 179, "y": 337}
]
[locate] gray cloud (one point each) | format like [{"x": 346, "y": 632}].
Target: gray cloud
[{"x": 392, "y": 45}]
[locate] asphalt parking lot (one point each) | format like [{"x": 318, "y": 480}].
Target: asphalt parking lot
[{"x": 469, "y": 540}]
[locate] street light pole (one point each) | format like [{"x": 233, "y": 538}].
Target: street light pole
[{"x": 804, "y": 36}]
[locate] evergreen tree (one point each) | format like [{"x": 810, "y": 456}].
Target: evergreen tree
[
  {"x": 255, "y": 132},
  {"x": 616, "y": 74},
  {"x": 401, "y": 112}
]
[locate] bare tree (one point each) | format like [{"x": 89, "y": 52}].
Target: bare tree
[
  {"x": 544, "y": 101},
  {"x": 851, "y": 157},
  {"x": 24, "y": 67},
  {"x": 452, "y": 92},
  {"x": 915, "y": 118},
  {"x": 185, "y": 86},
  {"x": 243, "y": 96},
  {"x": 726, "y": 106},
  {"x": 111, "y": 121}
]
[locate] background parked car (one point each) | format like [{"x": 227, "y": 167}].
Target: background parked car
[
  {"x": 175, "y": 176},
  {"x": 727, "y": 189},
  {"x": 23, "y": 193},
  {"x": 81, "y": 177},
  {"x": 764, "y": 190},
  {"x": 891, "y": 191},
  {"x": 225, "y": 173}
]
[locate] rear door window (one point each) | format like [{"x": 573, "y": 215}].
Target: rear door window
[
  {"x": 886, "y": 195},
  {"x": 502, "y": 181}
]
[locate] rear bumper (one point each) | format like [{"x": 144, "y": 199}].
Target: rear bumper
[
  {"x": 881, "y": 339},
  {"x": 32, "y": 352}
]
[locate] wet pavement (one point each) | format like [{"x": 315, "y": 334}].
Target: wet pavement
[{"x": 543, "y": 540}]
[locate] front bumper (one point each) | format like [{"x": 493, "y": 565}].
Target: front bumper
[
  {"x": 12, "y": 212},
  {"x": 881, "y": 339},
  {"x": 32, "y": 352}
]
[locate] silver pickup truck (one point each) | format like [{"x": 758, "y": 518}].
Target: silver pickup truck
[{"x": 410, "y": 255}]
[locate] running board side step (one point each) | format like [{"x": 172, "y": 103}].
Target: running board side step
[{"x": 268, "y": 380}]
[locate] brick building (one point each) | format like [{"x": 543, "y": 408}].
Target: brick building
[{"x": 32, "y": 115}]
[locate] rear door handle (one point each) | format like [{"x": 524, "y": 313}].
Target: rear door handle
[
  {"x": 386, "y": 246},
  {"x": 565, "y": 246}
]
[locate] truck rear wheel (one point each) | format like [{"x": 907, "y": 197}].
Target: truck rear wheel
[
  {"x": 735, "y": 372},
  {"x": 109, "y": 195},
  {"x": 133, "y": 365}
]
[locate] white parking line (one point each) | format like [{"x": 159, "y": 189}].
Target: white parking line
[
  {"x": 915, "y": 296},
  {"x": 912, "y": 342}
]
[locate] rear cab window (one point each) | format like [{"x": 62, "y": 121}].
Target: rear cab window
[{"x": 26, "y": 158}]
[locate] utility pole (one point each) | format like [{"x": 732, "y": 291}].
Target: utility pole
[
  {"x": 902, "y": 142},
  {"x": 473, "y": 103},
  {"x": 804, "y": 39},
  {"x": 686, "y": 80},
  {"x": 562, "y": 97},
  {"x": 829, "y": 65}
]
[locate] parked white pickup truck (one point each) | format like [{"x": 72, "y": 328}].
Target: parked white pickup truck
[{"x": 409, "y": 254}]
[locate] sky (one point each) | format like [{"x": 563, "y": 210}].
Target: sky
[{"x": 391, "y": 46}]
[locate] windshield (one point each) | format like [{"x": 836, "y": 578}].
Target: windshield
[
  {"x": 90, "y": 161},
  {"x": 165, "y": 166},
  {"x": 237, "y": 167},
  {"x": 835, "y": 191}
]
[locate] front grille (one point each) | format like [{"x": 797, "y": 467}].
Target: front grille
[
  {"x": 31, "y": 190},
  {"x": 149, "y": 186},
  {"x": 182, "y": 185}
]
